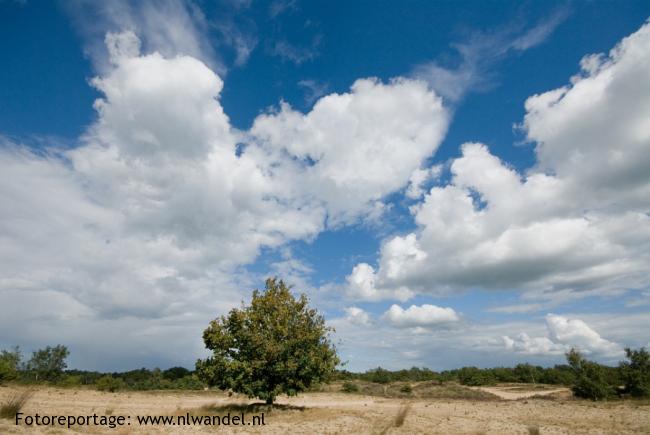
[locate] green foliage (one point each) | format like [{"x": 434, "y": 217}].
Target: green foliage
[
  {"x": 69, "y": 381},
  {"x": 473, "y": 376},
  {"x": 277, "y": 345},
  {"x": 406, "y": 389},
  {"x": 48, "y": 364},
  {"x": 636, "y": 372},
  {"x": 526, "y": 373},
  {"x": 349, "y": 387},
  {"x": 110, "y": 384},
  {"x": 379, "y": 375},
  {"x": 175, "y": 373},
  {"x": 9, "y": 364},
  {"x": 382, "y": 376},
  {"x": 590, "y": 377}
]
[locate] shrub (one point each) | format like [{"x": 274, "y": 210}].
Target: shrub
[
  {"x": 406, "y": 389},
  {"x": 109, "y": 383},
  {"x": 9, "y": 362},
  {"x": 379, "y": 375},
  {"x": 15, "y": 403},
  {"x": 189, "y": 382},
  {"x": 349, "y": 387},
  {"x": 474, "y": 376},
  {"x": 636, "y": 372},
  {"x": 590, "y": 377},
  {"x": 69, "y": 381}
]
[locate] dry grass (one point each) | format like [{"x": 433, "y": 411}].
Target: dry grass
[
  {"x": 15, "y": 403},
  {"x": 401, "y": 415},
  {"x": 533, "y": 430},
  {"x": 419, "y": 390},
  {"x": 399, "y": 419},
  {"x": 338, "y": 413}
]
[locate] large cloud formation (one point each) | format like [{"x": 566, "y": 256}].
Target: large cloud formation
[
  {"x": 577, "y": 223},
  {"x": 564, "y": 334},
  {"x": 149, "y": 218}
]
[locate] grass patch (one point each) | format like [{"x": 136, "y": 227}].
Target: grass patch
[
  {"x": 401, "y": 415},
  {"x": 15, "y": 403},
  {"x": 533, "y": 430},
  {"x": 399, "y": 419}
]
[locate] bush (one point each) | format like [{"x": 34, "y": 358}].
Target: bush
[
  {"x": 474, "y": 376},
  {"x": 379, "y": 375},
  {"x": 109, "y": 383},
  {"x": 406, "y": 389},
  {"x": 69, "y": 381},
  {"x": 189, "y": 382},
  {"x": 636, "y": 372},
  {"x": 349, "y": 387},
  {"x": 9, "y": 362},
  {"x": 15, "y": 403},
  {"x": 590, "y": 378}
]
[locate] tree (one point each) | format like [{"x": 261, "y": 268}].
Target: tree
[
  {"x": 526, "y": 373},
  {"x": 9, "y": 363},
  {"x": 590, "y": 377},
  {"x": 636, "y": 372},
  {"x": 48, "y": 364},
  {"x": 276, "y": 345}
]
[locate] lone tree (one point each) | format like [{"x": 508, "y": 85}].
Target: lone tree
[
  {"x": 276, "y": 345},
  {"x": 48, "y": 364}
]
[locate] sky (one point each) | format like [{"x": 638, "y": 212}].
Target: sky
[{"x": 451, "y": 183}]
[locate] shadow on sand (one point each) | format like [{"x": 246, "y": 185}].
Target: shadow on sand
[{"x": 249, "y": 408}]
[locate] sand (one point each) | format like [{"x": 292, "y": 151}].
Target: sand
[{"x": 340, "y": 413}]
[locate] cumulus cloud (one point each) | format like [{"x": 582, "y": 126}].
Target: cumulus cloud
[
  {"x": 357, "y": 316},
  {"x": 564, "y": 334},
  {"x": 420, "y": 316},
  {"x": 576, "y": 223},
  {"x": 419, "y": 177},
  {"x": 154, "y": 212},
  {"x": 354, "y": 148}
]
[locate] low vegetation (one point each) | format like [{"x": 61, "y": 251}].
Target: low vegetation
[{"x": 15, "y": 403}]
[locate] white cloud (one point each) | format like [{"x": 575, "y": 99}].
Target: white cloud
[
  {"x": 420, "y": 316},
  {"x": 360, "y": 285},
  {"x": 564, "y": 334},
  {"x": 419, "y": 178},
  {"x": 170, "y": 27},
  {"x": 577, "y": 223},
  {"x": 357, "y": 316},
  {"x": 150, "y": 218},
  {"x": 356, "y": 147},
  {"x": 480, "y": 53}
]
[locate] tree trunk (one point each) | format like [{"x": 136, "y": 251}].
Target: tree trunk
[{"x": 269, "y": 400}]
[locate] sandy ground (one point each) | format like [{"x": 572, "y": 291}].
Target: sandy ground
[
  {"x": 516, "y": 392},
  {"x": 339, "y": 413}
]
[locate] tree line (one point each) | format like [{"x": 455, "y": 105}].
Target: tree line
[{"x": 587, "y": 379}]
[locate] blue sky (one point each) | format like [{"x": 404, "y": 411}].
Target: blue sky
[{"x": 452, "y": 183}]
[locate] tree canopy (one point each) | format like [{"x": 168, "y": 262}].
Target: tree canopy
[
  {"x": 276, "y": 345},
  {"x": 48, "y": 364}
]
